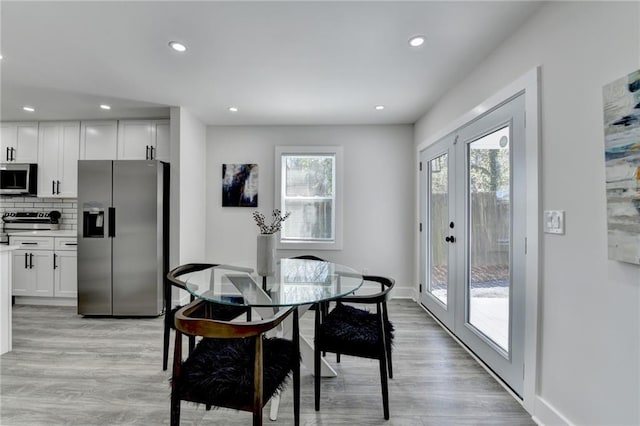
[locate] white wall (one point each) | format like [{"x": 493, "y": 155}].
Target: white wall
[
  {"x": 378, "y": 194},
  {"x": 589, "y": 339},
  {"x": 188, "y": 161}
]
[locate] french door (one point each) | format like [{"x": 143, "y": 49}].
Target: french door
[{"x": 473, "y": 236}]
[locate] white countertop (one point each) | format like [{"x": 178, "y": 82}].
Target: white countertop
[
  {"x": 58, "y": 233},
  {"x": 4, "y": 248}
]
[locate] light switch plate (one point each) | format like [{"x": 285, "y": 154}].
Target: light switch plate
[{"x": 553, "y": 222}]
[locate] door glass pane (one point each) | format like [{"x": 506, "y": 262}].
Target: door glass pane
[
  {"x": 438, "y": 227},
  {"x": 489, "y": 168}
]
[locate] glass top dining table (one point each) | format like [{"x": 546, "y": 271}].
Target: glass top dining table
[{"x": 294, "y": 282}]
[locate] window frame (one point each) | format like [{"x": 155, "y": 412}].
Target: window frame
[{"x": 337, "y": 152}]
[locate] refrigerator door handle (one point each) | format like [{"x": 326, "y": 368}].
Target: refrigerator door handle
[{"x": 112, "y": 221}]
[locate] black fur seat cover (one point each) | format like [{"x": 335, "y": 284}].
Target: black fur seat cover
[
  {"x": 352, "y": 331},
  {"x": 219, "y": 372}
]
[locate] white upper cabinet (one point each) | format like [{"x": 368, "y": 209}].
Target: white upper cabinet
[
  {"x": 59, "y": 147},
  {"x": 143, "y": 140},
  {"x": 98, "y": 140},
  {"x": 163, "y": 141},
  {"x": 19, "y": 142}
]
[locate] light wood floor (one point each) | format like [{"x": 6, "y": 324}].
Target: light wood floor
[{"x": 70, "y": 370}]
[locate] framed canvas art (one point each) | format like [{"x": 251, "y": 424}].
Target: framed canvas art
[
  {"x": 239, "y": 185},
  {"x": 622, "y": 166}
]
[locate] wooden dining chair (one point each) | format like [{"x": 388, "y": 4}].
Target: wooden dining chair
[
  {"x": 234, "y": 365},
  {"x": 216, "y": 311},
  {"x": 349, "y": 330}
]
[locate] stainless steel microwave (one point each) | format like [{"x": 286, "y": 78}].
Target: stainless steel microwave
[{"x": 19, "y": 179}]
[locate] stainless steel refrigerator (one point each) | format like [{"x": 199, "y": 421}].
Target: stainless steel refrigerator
[{"x": 123, "y": 232}]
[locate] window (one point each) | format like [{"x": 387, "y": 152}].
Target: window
[{"x": 308, "y": 185}]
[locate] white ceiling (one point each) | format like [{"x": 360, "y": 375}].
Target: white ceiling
[{"x": 284, "y": 63}]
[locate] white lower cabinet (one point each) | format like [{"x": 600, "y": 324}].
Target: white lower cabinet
[
  {"x": 65, "y": 268},
  {"x": 32, "y": 273},
  {"x": 45, "y": 267}
]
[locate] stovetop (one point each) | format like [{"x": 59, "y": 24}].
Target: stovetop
[{"x": 28, "y": 221}]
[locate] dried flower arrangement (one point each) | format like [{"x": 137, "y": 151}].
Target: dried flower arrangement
[{"x": 276, "y": 223}]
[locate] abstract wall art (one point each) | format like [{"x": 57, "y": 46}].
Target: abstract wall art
[
  {"x": 622, "y": 165},
  {"x": 239, "y": 185}
]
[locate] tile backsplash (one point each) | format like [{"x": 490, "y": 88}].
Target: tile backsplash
[{"x": 66, "y": 206}]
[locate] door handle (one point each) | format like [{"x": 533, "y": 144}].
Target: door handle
[
  {"x": 57, "y": 187},
  {"x": 55, "y": 257},
  {"x": 30, "y": 260},
  {"x": 53, "y": 187},
  {"x": 7, "y": 153},
  {"x": 26, "y": 260},
  {"x": 450, "y": 239},
  {"x": 13, "y": 154},
  {"x": 27, "y": 243},
  {"x": 112, "y": 222},
  {"x": 152, "y": 154},
  {"x": 147, "y": 154}
]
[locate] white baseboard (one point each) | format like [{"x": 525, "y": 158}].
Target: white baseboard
[
  {"x": 46, "y": 301},
  {"x": 546, "y": 415},
  {"x": 403, "y": 293}
]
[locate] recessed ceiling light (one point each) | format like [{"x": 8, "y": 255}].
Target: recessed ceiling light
[
  {"x": 416, "y": 41},
  {"x": 105, "y": 106},
  {"x": 177, "y": 46},
  {"x": 379, "y": 107},
  {"x": 28, "y": 108},
  {"x": 233, "y": 109}
]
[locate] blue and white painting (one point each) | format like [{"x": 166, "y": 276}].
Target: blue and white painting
[
  {"x": 239, "y": 185},
  {"x": 622, "y": 157}
]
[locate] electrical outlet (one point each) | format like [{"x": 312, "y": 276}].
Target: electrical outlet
[{"x": 553, "y": 222}]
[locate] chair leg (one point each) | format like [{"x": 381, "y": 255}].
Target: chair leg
[
  {"x": 316, "y": 364},
  {"x": 389, "y": 363},
  {"x": 385, "y": 387},
  {"x": 175, "y": 396},
  {"x": 296, "y": 371},
  {"x": 165, "y": 347}
]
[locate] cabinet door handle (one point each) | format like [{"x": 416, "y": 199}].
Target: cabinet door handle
[
  {"x": 26, "y": 260},
  {"x": 57, "y": 187},
  {"x": 153, "y": 155},
  {"x": 30, "y": 260},
  {"x": 146, "y": 157},
  {"x": 27, "y": 243},
  {"x": 70, "y": 244},
  {"x": 55, "y": 257},
  {"x": 13, "y": 154},
  {"x": 53, "y": 187},
  {"x": 7, "y": 153}
]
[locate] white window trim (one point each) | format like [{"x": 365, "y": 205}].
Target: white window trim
[{"x": 339, "y": 176}]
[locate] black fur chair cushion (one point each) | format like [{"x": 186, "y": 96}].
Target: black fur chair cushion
[
  {"x": 352, "y": 331},
  {"x": 219, "y": 372}
]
